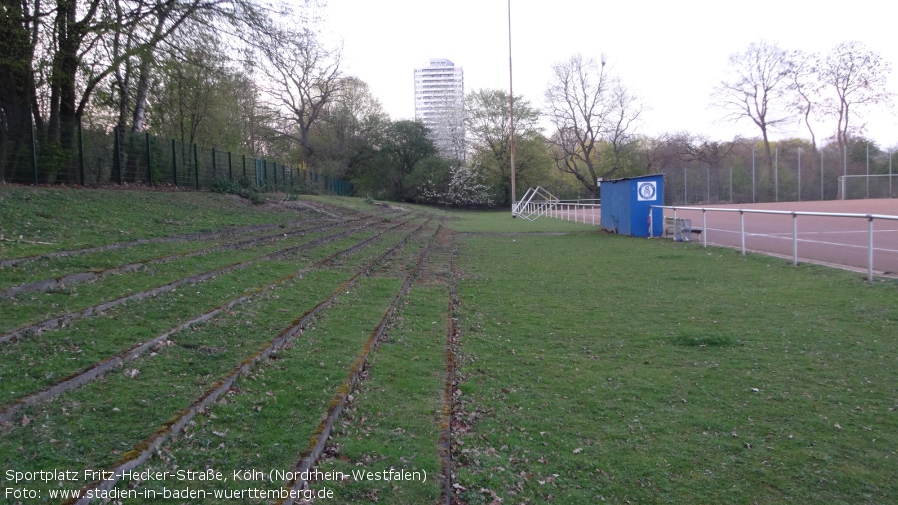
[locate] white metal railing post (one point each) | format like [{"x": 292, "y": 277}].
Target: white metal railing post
[
  {"x": 704, "y": 228},
  {"x": 742, "y": 229},
  {"x": 650, "y": 221},
  {"x": 675, "y": 223},
  {"x": 870, "y": 249},
  {"x": 794, "y": 239}
]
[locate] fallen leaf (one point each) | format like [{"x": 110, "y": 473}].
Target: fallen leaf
[{"x": 25, "y": 420}]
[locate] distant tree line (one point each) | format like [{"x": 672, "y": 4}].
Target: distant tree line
[{"x": 240, "y": 76}]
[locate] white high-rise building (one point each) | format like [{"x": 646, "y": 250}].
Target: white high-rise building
[{"x": 440, "y": 105}]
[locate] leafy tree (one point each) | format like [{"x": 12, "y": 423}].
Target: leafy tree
[
  {"x": 489, "y": 129},
  {"x": 406, "y": 144},
  {"x": 350, "y": 131},
  {"x": 65, "y": 51},
  {"x": 201, "y": 99},
  {"x": 429, "y": 181},
  {"x": 533, "y": 166}
]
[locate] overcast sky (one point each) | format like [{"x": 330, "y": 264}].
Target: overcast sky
[{"x": 671, "y": 53}]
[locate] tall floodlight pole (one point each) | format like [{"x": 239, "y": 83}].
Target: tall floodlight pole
[{"x": 511, "y": 115}]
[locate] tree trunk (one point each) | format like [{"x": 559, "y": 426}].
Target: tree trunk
[
  {"x": 143, "y": 75},
  {"x": 769, "y": 162},
  {"x": 17, "y": 89}
]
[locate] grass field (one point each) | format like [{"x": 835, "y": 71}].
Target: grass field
[{"x": 384, "y": 347}]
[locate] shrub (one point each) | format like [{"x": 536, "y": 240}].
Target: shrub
[{"x": 242, "y": 187}]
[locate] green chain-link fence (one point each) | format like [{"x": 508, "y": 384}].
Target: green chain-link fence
[{"x": 92, "y": 156}]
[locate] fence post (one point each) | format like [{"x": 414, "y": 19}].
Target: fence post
[
  {"x": 174, "y": 162},
  {"x": 742, "y": 229},
  {"x": 731, "y": 183},
  {"x": 868, "y": 170},
  {"x": 244, "y": 166},
  {"x": 870, "y": 248},
  {"x": 753, "y": 200},
  {"x": 196, "y": 166},
  {"x": 214, "y": 165},
  {"x": 704, "y": 228},
  {"x": 794, "y": 239},
  {"x": 33, "y": 146},
  {"x": 149, "y": 161},
  {"x": 230, "y": 169},
  {"x": 274, "y": 169},
  {"x": 81, "y": 150},
  {"x": 708, "y": 185},
  {"x": 117, "y": 154},
  {"x": 264, "y": 172}
]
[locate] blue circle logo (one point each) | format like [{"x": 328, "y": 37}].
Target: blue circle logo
[{"x": 646, "y": 191}]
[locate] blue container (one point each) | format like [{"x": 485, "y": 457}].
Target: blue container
[{"x": 626, "y": 204}]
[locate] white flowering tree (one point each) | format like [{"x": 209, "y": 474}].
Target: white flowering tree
[{"x": 465, "y": 188}]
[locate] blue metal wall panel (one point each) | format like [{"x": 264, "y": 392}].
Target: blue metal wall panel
[{"x": 626, "y": 204}]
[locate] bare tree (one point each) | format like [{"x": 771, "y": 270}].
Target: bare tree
[
  {"x": 307, "y": 77},
  {"x": 758, "y": 90},
  {"x": 857, "y": 78},
  {"x": 704, "y": 150},
  {"x": 805, "y": 86},
  {"x": 589, "y": 107}
]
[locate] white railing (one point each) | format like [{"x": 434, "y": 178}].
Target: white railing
[
  {"x": 538, "y": 202},
  {"x": 579, "y": 211},
  {"x": 794, "y": 235}
]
